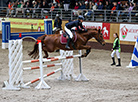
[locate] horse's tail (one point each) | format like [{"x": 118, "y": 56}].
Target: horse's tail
[{"x": 35, "y": 53}]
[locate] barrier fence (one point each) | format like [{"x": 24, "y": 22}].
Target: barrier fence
[{"x": 90, "y": 15}]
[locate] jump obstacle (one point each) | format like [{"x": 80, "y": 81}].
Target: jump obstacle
[
  {"x": 134, "y": 59},
  {"x": 16, "y": 69},
  {"x": 7, "y": 35},
  {"x": 15, "y": 61}
]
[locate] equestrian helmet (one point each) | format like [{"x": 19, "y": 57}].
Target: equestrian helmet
[{"x": 81, "y": 17}]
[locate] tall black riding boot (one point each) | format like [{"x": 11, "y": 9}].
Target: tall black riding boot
[
  {"x": 113, "y": 61},
  {"x": 67, "y": 45},
  {"x": 119, "y": 62}
]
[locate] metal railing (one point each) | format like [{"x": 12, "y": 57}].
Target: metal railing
[{"x": 71, "y": 14}]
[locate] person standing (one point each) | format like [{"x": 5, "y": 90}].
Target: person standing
[
  {"x": 116, "y": 49},
  {"x": 57, "y": 23},
  {"x": 66, "y": 4}
]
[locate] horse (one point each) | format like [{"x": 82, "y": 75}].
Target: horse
[{"x": 50, "y": 43}]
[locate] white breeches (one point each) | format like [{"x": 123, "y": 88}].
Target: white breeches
[
  {"x": 117, "y": 53},
  {"x": 55, "y": 28},
  {"x": 69, "y": 32}
]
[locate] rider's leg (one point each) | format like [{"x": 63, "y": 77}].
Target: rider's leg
[
  {"x": 118, "y": 56},
  {"x": 70, "y": 37},
  {"x": 67, "y": 45},
  {"x": 54, "y": 30},
  {"x": 113, "y": 59}
]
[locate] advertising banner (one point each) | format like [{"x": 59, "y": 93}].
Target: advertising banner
[
  {"x": 26, "y": 23},
  {"x": 104, "y": 26},
  {"x": 106, "y": 30},
  {"x": 92, "y": 25},
  {"x": 128, "y": 32}
]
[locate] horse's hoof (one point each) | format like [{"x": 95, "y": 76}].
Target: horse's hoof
[
  {"x": 84, "y": 55},
  {"x": 44, "y": 57}
]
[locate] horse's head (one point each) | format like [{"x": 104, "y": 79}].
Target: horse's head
[{"x": 99, "y": 37}]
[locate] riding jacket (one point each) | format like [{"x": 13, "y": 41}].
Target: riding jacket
[
  {"x": 116, "y": 44},
  {"x": 76, "y": 23},
  {"x": 58, "y": 23}
]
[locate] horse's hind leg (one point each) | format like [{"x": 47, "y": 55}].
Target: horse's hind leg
[{"x": 46, "y": 53}]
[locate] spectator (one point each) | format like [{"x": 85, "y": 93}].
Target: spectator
[
  {"x": 107, "y": 6},
  {"x": 12, "y": 10},
  {"x": 9, "y": 8},
  {"x": 100, "y": 7},
  {"x": 113, "y": 13},
  {"x": 129, "y": 11},
  {"x": 75, "y": 11},
  {"x": 124, "y": 13},
  {"x": 66, "y": 4},
  {"x": 44, "y": 4},
  {"x": 59, "y": 7},
  {"x": 57, "y": 23},
  {"x": 35, "y": 8},
  {"x": 19, "y": 8},
  {"x": 92, "y": 7},
  {"x": 44, "y": 8},
  {"x": 86, "y": 5},
  {"x": 52, "y": 7},
  {"x": 28, "y": 9},
  {"x": 81, "y": 7}
]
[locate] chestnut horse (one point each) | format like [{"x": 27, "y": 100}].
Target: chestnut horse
[{"x": 50, "y": 43}]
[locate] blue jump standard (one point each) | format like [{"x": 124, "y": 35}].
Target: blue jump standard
[{"x": 7, "y": 35}]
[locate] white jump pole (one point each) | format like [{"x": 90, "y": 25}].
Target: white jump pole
[
  {"x": 42, "y": 84},
  {"x": 81, "y": 76}
]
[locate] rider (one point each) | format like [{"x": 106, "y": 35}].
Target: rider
[
  {"x": 57, "y": 23},
  {"x": 68, "y": 27}
]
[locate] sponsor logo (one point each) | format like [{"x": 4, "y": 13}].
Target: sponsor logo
[
  {"x": 124, "y": 32},
  {"x": 105, "y": 32}
]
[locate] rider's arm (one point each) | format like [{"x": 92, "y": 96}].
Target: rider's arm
[{"x": 81, "y": 26}]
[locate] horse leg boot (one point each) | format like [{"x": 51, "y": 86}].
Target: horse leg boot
[
  {"x": 67, "y": 45},
  {"x": 119, "y": 62},
  {"x": 113, "y": 61}
]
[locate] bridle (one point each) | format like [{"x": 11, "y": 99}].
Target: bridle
[{"x": 98, "y": 39}]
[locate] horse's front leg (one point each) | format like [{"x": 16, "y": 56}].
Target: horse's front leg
[{"x": 88, "y": 50}]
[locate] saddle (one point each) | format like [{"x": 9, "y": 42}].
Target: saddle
[{"x": 64, "y": 36}]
